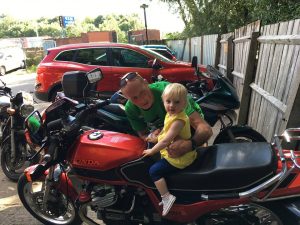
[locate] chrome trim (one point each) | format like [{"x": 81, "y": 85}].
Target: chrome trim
[
  {"x": 274, "y": 199},
  {"x": 86, "y": 219}
]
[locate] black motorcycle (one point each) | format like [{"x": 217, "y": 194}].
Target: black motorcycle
[
  {"x": 5, "y": 95},
  {"x": 216, "y": 104},
  {"x": 16, "y": 153}
]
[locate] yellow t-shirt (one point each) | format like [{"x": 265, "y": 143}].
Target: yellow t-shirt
[{"x": 186, "y": 159}]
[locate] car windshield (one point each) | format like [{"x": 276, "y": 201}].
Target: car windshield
[{"x": 157, "y": 55}]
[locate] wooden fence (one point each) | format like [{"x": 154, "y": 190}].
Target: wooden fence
[
  {"x": 245, "y": 49},
  {"x": 264, "y": 67},
  {"x": 277, "y": 79},
  {"x": 226, "y": 53},
  {"x": 204, "y": 47}
]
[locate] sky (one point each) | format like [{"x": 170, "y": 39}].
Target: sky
[{"x": 158, "y": 14}]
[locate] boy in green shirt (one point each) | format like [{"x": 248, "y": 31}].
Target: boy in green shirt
[{"x": 146, "y": 113}]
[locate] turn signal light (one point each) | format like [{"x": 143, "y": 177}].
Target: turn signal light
[{"x": 11, "y": 111}]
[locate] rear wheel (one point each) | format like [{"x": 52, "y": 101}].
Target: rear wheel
[
  {"x": 244, "y": 215},
  {"x": 60, "y": 210},
  {"x": 239, "y": 136}
]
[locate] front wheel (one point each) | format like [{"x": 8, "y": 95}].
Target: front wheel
[
  {"x": 234, "y": 134},
  {"x": 60, "y": 210},
  {"x": 13, "y": 168}
]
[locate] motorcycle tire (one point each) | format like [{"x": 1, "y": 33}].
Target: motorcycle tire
[
  {"x": 240, "y": 136},
  {"x": 258, "y": 214},
  {"x": 13, "y": 170},
  {"x": 32, "y": 201},
  {"x": 111, "y": 222}
]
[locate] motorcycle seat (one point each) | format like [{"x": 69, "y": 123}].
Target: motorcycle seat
[{"x": 218, "y": 168}]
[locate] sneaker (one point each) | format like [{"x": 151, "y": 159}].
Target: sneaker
[{"x": 167, "y": 203}]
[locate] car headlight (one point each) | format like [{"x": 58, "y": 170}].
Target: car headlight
[{"x": 26, "y": 109}]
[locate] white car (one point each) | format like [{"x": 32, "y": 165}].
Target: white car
[{"x": 11, "y": 58}]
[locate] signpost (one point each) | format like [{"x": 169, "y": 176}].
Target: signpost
[{"x": 65, "y": 21}]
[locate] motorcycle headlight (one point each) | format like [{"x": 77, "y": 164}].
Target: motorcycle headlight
[{"x": 25, "y": 110}]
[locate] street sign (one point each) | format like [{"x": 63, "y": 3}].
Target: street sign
[
  {"x": 68, "y": 20},
  {"x": 65, "y": 21}
]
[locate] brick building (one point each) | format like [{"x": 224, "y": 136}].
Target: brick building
[
  {"x": 139, "y": 36},
  {"x": 92, "y": 36}
]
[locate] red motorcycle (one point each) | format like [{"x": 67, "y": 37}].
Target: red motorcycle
[{"x": 89, "y": 175}]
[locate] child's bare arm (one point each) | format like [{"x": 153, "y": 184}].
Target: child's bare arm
[{"x": 172, "y": 133}]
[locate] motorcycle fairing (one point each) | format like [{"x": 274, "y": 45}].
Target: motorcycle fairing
[{"x": 218, "y": 168}]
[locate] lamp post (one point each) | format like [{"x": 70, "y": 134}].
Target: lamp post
[{"x": 144, "y": 6}]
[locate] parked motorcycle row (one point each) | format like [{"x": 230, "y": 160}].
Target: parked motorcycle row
[{"x": 96, "y": 165}]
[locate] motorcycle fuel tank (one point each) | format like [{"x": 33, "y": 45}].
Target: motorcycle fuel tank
[{"x": 104, "y": 150}]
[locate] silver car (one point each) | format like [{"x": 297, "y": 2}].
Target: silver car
[{"x": 11, "y": 58}]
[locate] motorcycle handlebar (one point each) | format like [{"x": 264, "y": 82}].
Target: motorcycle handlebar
[
  {"x": 74, "y": 125},
  {"x": 221, "y": 196},
  {"x": 54, "y": 125}
]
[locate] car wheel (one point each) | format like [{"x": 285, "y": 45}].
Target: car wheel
[
  {"x": 23, "y": 65},
  {"x": 2, "y": 71}
]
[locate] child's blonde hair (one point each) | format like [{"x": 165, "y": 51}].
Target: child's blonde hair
[{"x": 175, "y": 90}]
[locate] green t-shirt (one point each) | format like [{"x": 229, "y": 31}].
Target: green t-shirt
[{"x": 153, "y": 118}]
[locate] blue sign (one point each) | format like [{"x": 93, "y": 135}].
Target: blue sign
[{"x": 68, "y": 20}]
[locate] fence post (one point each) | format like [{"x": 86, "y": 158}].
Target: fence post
[
  {"x": 182, "y": 54},
  {"x": 229, "y": 66},
  {"x": 190, "y": 49},
  {"x": 248, "y": 79},
  {"x": 218, "y": 51}
]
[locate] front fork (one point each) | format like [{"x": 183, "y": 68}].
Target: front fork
[
  {"x": 48, "y": 184},
  {"x": 224, "y": 126},
  {"x": 12, "y": 140}
]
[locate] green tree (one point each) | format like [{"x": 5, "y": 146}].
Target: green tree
[
  {"x": 98, "y": 20},
  {"x": 222, "y": 16},
  {"x": 121, "y": 24}
]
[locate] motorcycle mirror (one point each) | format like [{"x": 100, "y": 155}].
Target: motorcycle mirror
[
  {"x": 194, "y": 61},
  {"x": 94, "y": 75},
  {"x": 195, "y": 65},
  {"x": 35, "y": 128}
]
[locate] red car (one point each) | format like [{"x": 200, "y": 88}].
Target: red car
[{"x": 113, "y": 59}]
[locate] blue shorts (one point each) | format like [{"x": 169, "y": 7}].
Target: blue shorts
[{"x": 160, "y": 169}]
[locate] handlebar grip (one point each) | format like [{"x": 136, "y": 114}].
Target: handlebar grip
[
  {"x": 81, "y": 116},
  {"x": 101, "y": 104},
  {"x": 223, "y": 196}
]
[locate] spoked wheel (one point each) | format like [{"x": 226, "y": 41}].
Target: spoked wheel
[
  {"x": 14, "y": 168},
  {"x": 58, "y": 210},
  {"x": 252, "y": 214},
  {"x": 237, "y": 136}
]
